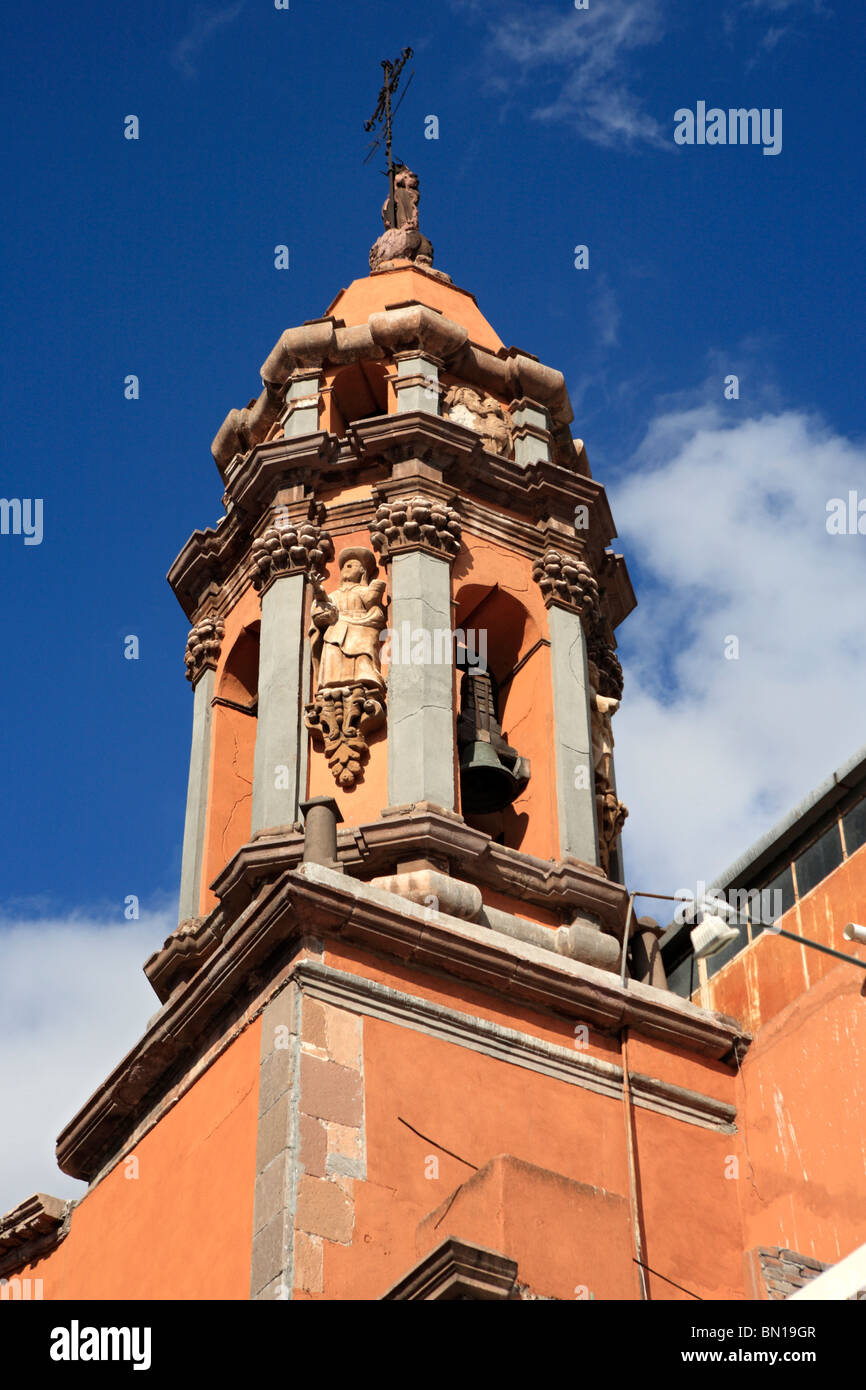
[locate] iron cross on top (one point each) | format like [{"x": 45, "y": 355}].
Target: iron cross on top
[{"x": 385, "y": 113}]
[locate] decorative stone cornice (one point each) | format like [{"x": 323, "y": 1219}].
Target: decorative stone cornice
[
  {"x": 508, "y": 373},
  {"x": 306, "y": 460},
  {"x": 415, "y": 523},
  {"x": 413, "y": 434},
  {"x": 203, "y": 648},
  {"x": 183, "y": 952},
  {"x": 424, "y": 831},
  {"x": 528, "y": 507},
  {"x": 302, "y": 548},
  {"x": 31, "y": 1229},
  {"x": 569, "y": 582}
]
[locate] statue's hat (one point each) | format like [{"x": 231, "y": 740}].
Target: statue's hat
[{"x": 359, "y": 552}]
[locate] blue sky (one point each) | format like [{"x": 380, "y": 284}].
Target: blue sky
[{"x": 155, "y": 257}]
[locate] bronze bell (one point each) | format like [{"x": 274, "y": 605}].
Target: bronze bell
[
  {"x": 485, "y": 783},
  {"x": 492, "y": 773}
]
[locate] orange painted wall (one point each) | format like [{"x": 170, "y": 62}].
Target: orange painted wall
[
  {"x": 802, "y": 1105},
  {"x": 801, "y": 1095},
  {"x": 772, "y": 972},
  {"x": 463, "y": 995},
  {"x": 531, "y": 911},
  {"x": 183, "y": 1229},
  {"x": 479, "y": 1107}
]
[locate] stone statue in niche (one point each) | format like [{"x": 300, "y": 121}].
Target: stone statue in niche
[
  {"x": 348, "y": 687},
  {"x": 610, "y": 811},
  {"x": 480, "y": 412}
]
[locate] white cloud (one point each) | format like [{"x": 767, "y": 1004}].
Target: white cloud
[
  {"x": 579, "y": 59},
  {"x": 205, "y": 23},
  {"x": 725, "y": 518},
  {"x": 606, "y": 313},
  {"x": 73, "y": 1000}
]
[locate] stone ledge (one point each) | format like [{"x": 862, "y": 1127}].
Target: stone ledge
[
  {"x": 541, "y": 496},
  {"x": 420, "y": 831},
  {"x": 30, "y": 1230}
]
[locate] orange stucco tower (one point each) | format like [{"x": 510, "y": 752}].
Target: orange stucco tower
[{"x": 402, "y": 1048}]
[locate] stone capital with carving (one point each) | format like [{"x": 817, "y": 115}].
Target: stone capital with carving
[
  {"x": 568, "y": 581},
  {"x": 297, "y": 548},
  {"x": 416, "y": 523},
  {"x": 203, "y": 648}
]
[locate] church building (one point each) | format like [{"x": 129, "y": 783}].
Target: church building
[{"x": 411, "y": 1038}]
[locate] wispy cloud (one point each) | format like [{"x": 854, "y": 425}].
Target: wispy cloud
[
  {"x": 787, "y": 14},
  {"x": 205, "y": 22},
  {"x": 788, "y": 6},
  {"x": 606, "y": 313},
  {"x": 577, "y": 64}
]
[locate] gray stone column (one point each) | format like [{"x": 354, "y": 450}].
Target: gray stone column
[
  {"x": 421, "y": 717},
  {"x": 202, "y": 654},
  {"x": 282, "y": 557},
  {"x": 420, "y": 694},
  {"x": 276, "y": 768},
  {"x": 531, "y": 432},
  {"x": 575, "y": 774},
  {"x": 302, "y": 403},
  {"x": 417, "y": 382}
]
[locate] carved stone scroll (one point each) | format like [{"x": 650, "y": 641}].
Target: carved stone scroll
[{"x": 343, "y": 717}]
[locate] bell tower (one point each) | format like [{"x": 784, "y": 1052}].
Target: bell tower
[
  {"x": 411, "y": 599},
  {"x": 410, "y": 1037}
]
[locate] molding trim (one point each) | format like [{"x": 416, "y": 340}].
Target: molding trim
[
  {"x": 420, "y": 831},
  {"x": 456, "y": 1270},
  {"x": 368, "y": 997}
]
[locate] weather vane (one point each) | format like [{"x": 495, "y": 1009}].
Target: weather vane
[{"x": 385, "y": 114}]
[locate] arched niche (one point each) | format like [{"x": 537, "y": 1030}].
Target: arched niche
[
  {"x": 239, "y": 681},
  {"x": 497, "y": 629},
  {"x": 233, "y": 755},
  {"x": 358, "y": 392}
]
